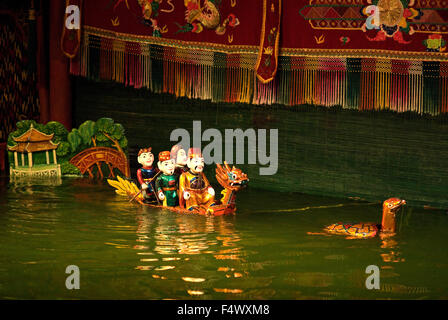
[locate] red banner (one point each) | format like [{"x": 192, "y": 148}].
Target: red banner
[
  {"x": 71, "y": 31},
  {"x": 327, "y": 52},
  {"x": 366, "y": 27},
  {"x": 269, "y": 40},
  {"x": 326, "y": 25},
  {"x": 219, "y": 22}
]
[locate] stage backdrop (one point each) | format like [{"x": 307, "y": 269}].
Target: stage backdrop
[
  {"x": 321, "y": 151},
  {"x": 360, "y": 54}
]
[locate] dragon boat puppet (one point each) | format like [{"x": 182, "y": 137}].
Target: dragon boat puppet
[{"x": 179, "y": 184}]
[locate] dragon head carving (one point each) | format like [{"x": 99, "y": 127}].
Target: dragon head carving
[
  {"x": 231, "y": 178},
  {"x": 393, "y": 204}
]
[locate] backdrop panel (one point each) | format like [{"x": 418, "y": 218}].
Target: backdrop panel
[
  {"x": 339, "y": 154},
  {"x": 360, "y": 54}
]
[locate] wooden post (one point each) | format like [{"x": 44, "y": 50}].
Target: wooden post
[
  {"x": 48, "y": 156},
  {"x": 16, "y": 160},
  {"x": 54, "y": 157},
  {"x": 23, "y": 159},
  {"x": 30, "y": 159}
]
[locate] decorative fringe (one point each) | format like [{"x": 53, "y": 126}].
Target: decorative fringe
[{"x": 352, "y": 83}]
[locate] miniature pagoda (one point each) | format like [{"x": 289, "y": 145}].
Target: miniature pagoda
[{"x": 31, "y": 142}]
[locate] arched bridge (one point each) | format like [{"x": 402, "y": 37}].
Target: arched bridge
[{"x": 88, "y": 158}]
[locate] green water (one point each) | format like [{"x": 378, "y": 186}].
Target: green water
[{"x": 126, "y": 251}]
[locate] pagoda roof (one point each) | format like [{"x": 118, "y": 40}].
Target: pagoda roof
[
  {"x": 34, "y": 146},
  {"x": 33, "y": 141},
  {"x": 33, "y": 135}
]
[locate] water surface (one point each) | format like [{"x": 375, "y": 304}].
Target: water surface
[{"x": 265, "y": 251}]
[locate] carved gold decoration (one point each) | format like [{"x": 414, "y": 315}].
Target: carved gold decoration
[
  {"x": 320, "y": 40},
  {"x": 391, "y": 12},
  {"x": 115, "y": 22}
]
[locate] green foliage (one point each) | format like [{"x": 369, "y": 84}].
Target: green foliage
[
  {"x": 87, "y": 130},
  {"x": 74, "y": 138},
  {"x": 60, "y": 132},
  {"x": 103, "y": 143},
  {"x": 68, "y": 168},
  {"x": 104, "y": 125},
  {"x": 15, "y": 134},
  {"x": 106, "y": 130},
  {"x": 71, "y": 143},
  {"x": 52, "y": 127},
  {"x": 63, "y": 149},
  {"x": 123, "y": 143},
  {"x": 24, "y": 125},
  {"x": 40, "y": 127},
  {"x": 11, "y": 158},
  {"x": 118, "y": 131}
]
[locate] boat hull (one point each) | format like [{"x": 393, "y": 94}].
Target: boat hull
[{"x": 214, "y": 210}]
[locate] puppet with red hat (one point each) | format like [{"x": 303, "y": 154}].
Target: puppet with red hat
[{"x": 166, "y": 183}]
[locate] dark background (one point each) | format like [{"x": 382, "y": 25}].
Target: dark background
[{"x": 322, "y": 151}]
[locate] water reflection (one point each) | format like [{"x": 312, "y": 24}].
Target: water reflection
[
  {"x": 36, "y": 181},
  {"x": 392, "y": 254},
  {"x": 168, "y": 233},
  {"x": 167, "y": 241}
]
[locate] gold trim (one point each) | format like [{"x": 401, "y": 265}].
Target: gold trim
[
  {"x": 254, "y": 50},
  {"x": 436, "y": 32},
  {"x": 260, "y": 48},
  {"x": 78, "y": 33},
  {"x": 214, "y": 47},
  {"x": 364, "y": 53},
  {"x": 277, "y": 42},
  {"x": 331, "y": 28}
]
